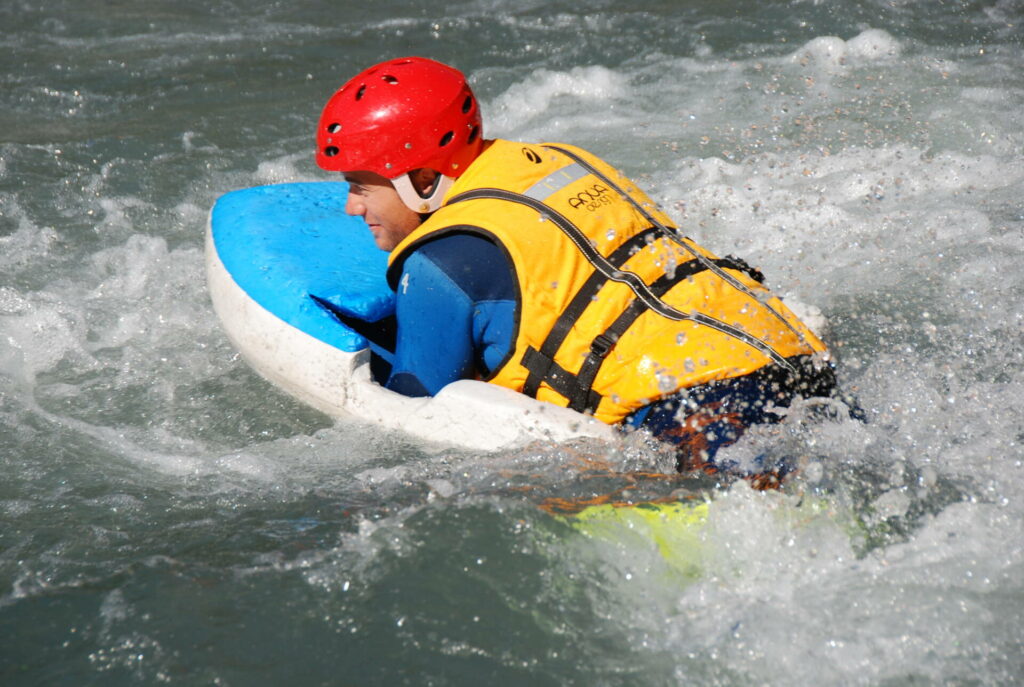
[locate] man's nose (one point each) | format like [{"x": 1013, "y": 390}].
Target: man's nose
[{"x": 355, "y": 206}]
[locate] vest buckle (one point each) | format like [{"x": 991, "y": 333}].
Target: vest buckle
[{"x": 603, "y": 343}]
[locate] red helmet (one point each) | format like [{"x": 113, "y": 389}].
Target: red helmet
[{"x": 398, "y": 116}]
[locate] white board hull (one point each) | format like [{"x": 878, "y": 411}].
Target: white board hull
[{"x": 466, "y": 414}]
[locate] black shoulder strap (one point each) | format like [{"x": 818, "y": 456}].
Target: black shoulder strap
[
  {"x": 613, "y": 273},
  {"x": 674, "y": 236},
  {"x": 578, "y": 388}
]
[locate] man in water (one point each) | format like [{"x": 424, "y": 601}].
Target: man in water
[{"x": 541, "y": 268}]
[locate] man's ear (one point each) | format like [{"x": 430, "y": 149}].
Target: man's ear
[{"x": 423, "y": 180}]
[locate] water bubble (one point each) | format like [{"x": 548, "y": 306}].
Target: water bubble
[
  {"x": 688, "y": 365},
  {"x": 667, "y": 383},
  {"x": 681, "y": 338}
]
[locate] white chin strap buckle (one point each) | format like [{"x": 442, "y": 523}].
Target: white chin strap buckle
[{"x": 422, "y": 204}]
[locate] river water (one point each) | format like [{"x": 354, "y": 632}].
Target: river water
[{"x": 168, "y": 517}]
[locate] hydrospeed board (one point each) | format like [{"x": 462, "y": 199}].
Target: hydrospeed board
[{"x": 273, "y": 251}]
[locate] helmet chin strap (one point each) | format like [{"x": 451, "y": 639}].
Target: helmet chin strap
[{"x": 422, "y": 204}]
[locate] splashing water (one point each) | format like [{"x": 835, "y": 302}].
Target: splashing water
[{"x": 168, "y": 517}]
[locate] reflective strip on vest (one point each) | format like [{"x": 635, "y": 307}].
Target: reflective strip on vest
[{"x": 553, "y": 183}]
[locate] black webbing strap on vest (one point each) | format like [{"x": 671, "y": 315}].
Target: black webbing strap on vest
[
  {"x": 545, "y": 357},
  {"x": 672, "y": 235},
  {"x": 541, "y": 363},
  {"x": 578, "y": 388}
]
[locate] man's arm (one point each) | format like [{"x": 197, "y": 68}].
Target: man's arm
[
  {"x": 455, "y": 307},
  {"x": 434, "y": 346}
]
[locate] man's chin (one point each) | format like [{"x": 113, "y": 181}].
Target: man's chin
[{"x": 378, "y": 238}]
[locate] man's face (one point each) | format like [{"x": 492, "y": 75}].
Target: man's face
[{"x": 373, "y": 198}]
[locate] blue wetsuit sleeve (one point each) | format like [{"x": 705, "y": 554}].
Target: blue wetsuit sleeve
[
  {"x": 434, "y": 341},
  {"x": 455, "y": 308}
]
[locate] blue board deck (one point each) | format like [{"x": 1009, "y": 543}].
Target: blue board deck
[{"x": 285, "y": 243}]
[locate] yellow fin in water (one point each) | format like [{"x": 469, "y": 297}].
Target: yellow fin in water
[{"x": 674, "y": 527}]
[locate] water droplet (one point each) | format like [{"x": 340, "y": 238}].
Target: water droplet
[
  {"x": 610, "y": 235},
  {"x": 667, "y": 383},
  {"x": 688, "y": 365},
  {"x": 681, "y": 338}
]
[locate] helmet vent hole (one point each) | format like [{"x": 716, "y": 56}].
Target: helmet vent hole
[
  {"x": 473, "y": 133},
  {"x": 331, "y": 151},
  {"x": 390, "y": 79},
  {"x": 333, "y": 128},
  {"x": 467, "y": 104},
  {"x": 360, "y": 92},
  {"x": 446, "y": 139}
]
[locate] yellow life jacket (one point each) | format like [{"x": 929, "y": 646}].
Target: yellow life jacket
[{"x": 616, "y": 310}]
